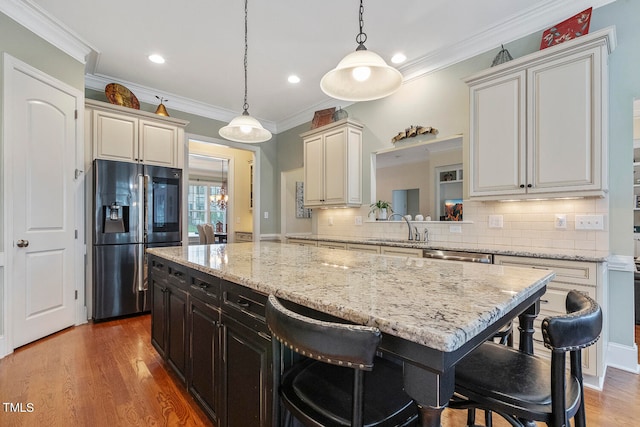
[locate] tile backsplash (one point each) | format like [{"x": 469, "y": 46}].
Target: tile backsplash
[{"x": 527, "y": 226}]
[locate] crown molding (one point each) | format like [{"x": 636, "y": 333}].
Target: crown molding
[
  {"x": 180, "y": 103},
  {"x": 36, "y": 20},
  {"x": 513, "y": 28}
]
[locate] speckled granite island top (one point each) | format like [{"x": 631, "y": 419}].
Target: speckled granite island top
[{"x": 440, "y": 304}]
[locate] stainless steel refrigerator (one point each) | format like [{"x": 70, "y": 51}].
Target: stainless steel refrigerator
[{"x": 135, "y": 207}]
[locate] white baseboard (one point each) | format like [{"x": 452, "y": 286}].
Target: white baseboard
[{"x": 623, "y": 357}]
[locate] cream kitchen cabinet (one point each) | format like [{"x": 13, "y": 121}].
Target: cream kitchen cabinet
[
  {"x": 538, "y": 124},
  {"x": 122, "y": 134},
  {"x": 333, "y": 165},
  {"x": 587, "y": 277}
]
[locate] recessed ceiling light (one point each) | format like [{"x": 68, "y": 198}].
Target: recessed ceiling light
[
  {"x": 158, "y": 59},
  {"x": 293, "y": 79},
  {"x": 398, "y": 58}
]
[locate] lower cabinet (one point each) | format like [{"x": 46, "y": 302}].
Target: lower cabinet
[
  {"x": 583, "y": 276},
  {"x": 169, "y": 321},
  {"x": 247, "y": 363},
  {"x": 204, "y": 360},
  {"x": 213, "y": 335}
]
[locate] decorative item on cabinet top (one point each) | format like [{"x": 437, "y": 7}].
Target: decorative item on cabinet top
[
  {"x": 162, "y": 110},
  {"x": 120, "y": 95},
  {"x": 323, "y": 117},
  {"x": 576, "y": 26},
  {"x": 502, "y": 57},
  {"x": 413, "y": 131}
]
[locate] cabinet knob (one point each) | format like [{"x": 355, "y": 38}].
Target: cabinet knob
[
  {"x": 521, "y": 185},
  {"x": 529, "y": 185}
]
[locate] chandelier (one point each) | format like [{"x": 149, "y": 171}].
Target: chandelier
[{"x": 222, "y": 197}]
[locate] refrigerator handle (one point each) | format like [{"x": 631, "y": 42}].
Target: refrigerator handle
[
  {"x": 142, "y": 269},
  {"x": 147, "y": 201},
  {"x": 141, "y": 209}
]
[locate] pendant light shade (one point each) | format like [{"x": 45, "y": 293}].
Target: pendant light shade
[
  {"x": 361, "y": 75},
  {"x": 245, "y": 128}
]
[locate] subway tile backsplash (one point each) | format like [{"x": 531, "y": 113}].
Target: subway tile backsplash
[{"x": 528, "y": 226}]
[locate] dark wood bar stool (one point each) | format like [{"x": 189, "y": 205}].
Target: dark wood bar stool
[
  {"x": 335, "y": 383},
  {"x": 519, "y": 386}
]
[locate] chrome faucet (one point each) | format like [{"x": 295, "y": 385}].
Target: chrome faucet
[
  {"x": 407, "y": 221},
  {"x": 426, "y": 235},
  {"x": 416, "y": 234}
]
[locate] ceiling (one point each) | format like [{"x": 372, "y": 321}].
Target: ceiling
[{"x": 203, "y": 42}]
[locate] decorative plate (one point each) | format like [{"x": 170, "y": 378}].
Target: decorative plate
[{"x": 120, "y": 95}]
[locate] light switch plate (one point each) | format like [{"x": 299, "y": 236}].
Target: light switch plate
[
  {"x": 496, "y": 221},
  {"x": 589, "y": 222},
  {"x": 358, "y": 220}
]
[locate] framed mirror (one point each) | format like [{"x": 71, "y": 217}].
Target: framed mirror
[{"x": 406, "y": 175}]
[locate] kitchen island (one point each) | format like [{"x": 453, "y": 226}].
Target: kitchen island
[{"x": 431, "y": 312}]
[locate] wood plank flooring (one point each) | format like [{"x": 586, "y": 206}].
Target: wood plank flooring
[
  {"x": 108, "y": 374},
  {"x": 103, "y": 374}
]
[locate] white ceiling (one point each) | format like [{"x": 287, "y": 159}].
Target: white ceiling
[{"x": 203, "y": 42}]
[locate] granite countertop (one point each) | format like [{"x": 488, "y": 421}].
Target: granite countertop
[
  {"x": 440, "y": 304},
  {"x": 404, "y": 243}
]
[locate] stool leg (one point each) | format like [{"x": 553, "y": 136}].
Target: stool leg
[
  {"x": 488, "y": 418},
  {"x": 471, "y": 417}
]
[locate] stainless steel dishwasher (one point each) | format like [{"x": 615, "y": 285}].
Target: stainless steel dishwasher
[{"x": 458, "y": 256}]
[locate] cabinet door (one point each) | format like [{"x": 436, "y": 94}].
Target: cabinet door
[
  {"x": 564, "y": 112},
  {"x": 115, "y": 137},
  {"x": 335, "y": 167},
  {"x": 313, "y": 171},
  {"x": 204, "y": 372},
  {"x": 158, "y": 315},
  {"x": 177, "y": 330},
  {"x": 248, "y": 382},
  {"x": 497, "y": 142},
  {"x": 158, "y": 144}
]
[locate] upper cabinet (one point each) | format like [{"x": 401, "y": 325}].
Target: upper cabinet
[
  {"x": 539, "y": 123},
  {"x": 123, "y": 134},
  {"x": 333, "y": 165}
]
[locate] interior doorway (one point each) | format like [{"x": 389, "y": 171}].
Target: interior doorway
[{"x": 226, "y": 169}]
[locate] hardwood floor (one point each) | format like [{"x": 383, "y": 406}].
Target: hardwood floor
[
  {"x": 103, "y": 374},
  {"x": 108, "y": 374}
]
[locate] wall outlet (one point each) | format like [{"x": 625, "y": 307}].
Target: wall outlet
[
  {"x": 237, "y": 220},
  {"x": 357, "y": 220},
  {"x": 330, "y": 220},
  {"x": 589, "y": 222},
  {"x": 455, "y": 229},
  {"x": 266, "y": 215},
  {"x": 561, "y": 221},
  {"x": 496, "y": 221}
]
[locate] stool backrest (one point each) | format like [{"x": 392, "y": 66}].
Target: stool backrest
[
  {"x": 201, "y": 235},
  {"x": 579, "y": 328},
  {"x": 209, "y": 233},
  {"x": 571, "y": 332},
  {"x": 341, "y": 344}
]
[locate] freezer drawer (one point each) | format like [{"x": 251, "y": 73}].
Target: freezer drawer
[{"x": 116, "y": 281}]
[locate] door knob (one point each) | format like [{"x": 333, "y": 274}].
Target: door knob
[{"x": 22, "y": 243}]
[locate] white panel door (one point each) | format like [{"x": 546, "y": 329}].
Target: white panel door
[
  {"x": 42, "y": 152},
  {"x": 498, "y": 130},
  {"x": 563, "y": 124}
]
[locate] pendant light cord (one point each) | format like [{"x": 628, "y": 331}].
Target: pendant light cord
[
  {"x": 245, "y": 107},
  {"x": 362, "y": 36}
]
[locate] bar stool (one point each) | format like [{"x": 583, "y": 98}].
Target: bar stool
[
  {"x": 335, "y": 383},
  {"x": 519, "y": 386}
]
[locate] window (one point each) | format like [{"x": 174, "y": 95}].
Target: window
[{"x": 203, "y": 208}]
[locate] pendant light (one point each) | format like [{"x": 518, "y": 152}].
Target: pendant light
[
  {"x": 245, "y": 128},
  {"x": 361, "y": 75}
]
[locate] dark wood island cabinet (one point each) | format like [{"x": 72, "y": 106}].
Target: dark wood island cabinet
[
  {"x": 213, "y": 335},
  {"x": 209, "y": 311}
]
